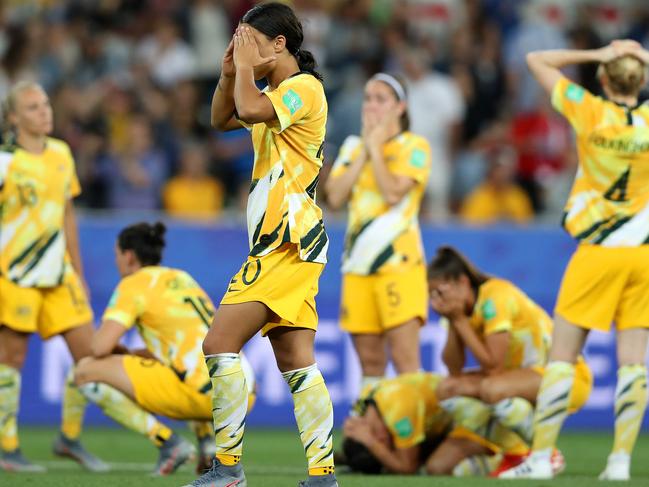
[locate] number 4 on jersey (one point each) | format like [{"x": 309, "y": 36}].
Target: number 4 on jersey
[{"x": 617, "y": 192}]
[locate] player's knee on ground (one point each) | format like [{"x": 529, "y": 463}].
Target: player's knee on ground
[{"x": 493, "y": 390}]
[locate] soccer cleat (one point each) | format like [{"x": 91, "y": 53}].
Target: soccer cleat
[
  {"x": 65, "y": 447},
  {"x": 319, "y": 481},
  {"x": 537, "y": 466},
  {"x": 221, "y": 476},
  {"x": 558, "y": 462},
  {"x": 507, "y": 463},
  {"x": 14, "y": 461},
  {"x": 618, "y": 467},
  {"x": 206, "y": 453},
  {"x": 173, "y": 453}
]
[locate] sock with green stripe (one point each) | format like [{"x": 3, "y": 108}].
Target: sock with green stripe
[
  {"x": 229, "y": 405},
  {"x": 314, "y": 416}
]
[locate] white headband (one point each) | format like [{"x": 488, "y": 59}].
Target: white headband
[{"x": 393, "y": 83}]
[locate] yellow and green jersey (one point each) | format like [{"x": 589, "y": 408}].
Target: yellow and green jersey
[
  {"x": 288, "y": 158},
  {"x": 609, "y": 202},
  {"x": 383, "y": 238},
  {"x": 172, "y": 314},
  {"x": 409, "y": 407},
  {"x": 502, "y": 307},
  {"x": 34, "y": 190}
]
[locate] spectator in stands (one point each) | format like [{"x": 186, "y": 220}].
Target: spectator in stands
[
  {"x": 436, "y": 110},
  {"x": 193, "y": 193},
  {"x": 498, "y": 198},
  {"x": 135, "y": 174},
  {"x": 168, "y": 57}
]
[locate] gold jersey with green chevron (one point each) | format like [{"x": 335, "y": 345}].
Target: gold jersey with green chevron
[
  {"x": 502, "y": 307},
  {"x": 409, "y": 407},
  {"x": 34, "y": 190},
  {"x": 288, "y": 158},
  {"x": 380, "y": 237},
  {"x": 171, "y": 312},
  {"x": 609, "y": 202}
]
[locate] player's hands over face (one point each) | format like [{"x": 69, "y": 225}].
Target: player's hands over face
[
  {"x": 378, "y": 131},
  {"x": 246, "y": 50},
  {"x": 227, "y": 63},
  {"x": 358, "y": 429},
  {"x": 448, "y": 299}
]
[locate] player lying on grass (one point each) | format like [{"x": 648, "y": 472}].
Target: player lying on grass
[
  {"x": 400, "y": 428},
  {"x": 42, "y": 289},
  {"x": 507, "y": 333},
  {"x": 172, "y": 314},
  {"x": 607, "y": 279}
]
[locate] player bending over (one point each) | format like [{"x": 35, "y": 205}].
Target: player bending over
[
  {"x": 607, "y": 279},
  {"x": 172, "y": 315},
  {"x": 401, "y": 429}
]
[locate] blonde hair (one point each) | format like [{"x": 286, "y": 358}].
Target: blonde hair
[
  {"x": 626, "y": 75},
  {"x": 9, "y": 106}
]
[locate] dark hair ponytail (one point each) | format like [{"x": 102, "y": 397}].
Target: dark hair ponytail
[
  {"x": 274, "y": 19},
  {"x": 145, "y": 240},
  {"x": 449, "y": 263}
]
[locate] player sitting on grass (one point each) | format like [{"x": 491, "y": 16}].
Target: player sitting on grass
[
  {"x": 172, "y": 314},
  {"x": 401, "y": 428},
  {"x": 507, "y": 333}
]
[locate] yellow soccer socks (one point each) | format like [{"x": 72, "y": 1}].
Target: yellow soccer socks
[
  {"x": 123, "y": 410},
  {"x": 9, "y": 400},
  {"x": 74, "y": 407},
  {"x": 552, "y": 406},
  {"x": 469, "y": 413},
  {"x": 314, "y": 417},
  {"x": 229, "y": 405},
  {"x": 630, "y": 405},
  {"x": 516, "y": 414}
]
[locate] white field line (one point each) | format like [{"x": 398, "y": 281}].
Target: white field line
[{"x": 148, "y": 467}]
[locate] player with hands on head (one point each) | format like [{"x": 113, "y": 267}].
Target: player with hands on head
[{"x": 607, "y": 278}]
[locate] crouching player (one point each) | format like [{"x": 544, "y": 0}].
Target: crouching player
[
  {"x": 507, "y": 333},
  {"x": 401, "y": 428},
  {"x": 169, "y": 378}
]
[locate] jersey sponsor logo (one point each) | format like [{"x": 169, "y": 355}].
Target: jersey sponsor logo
[
  {"x": 575, "y": 93},
  {"x": 403, "y": 427},
  {"x": 628, "y": 146},
  {"x": 292, "y": 101},
  {"x": 488, "y": 309},
  {"x": 418, "y": 158}
]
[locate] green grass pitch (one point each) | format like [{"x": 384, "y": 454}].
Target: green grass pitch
[{"x": 274, "y": 458}]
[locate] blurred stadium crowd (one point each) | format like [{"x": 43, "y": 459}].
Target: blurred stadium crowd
[{"x": 131, "y": 83}]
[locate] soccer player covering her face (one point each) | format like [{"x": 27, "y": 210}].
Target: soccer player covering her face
[
  {"x": 168, "y": 378},
  {"x": 41, "y": 276},
  {"x": 507, "y": 333},
  {"x": 382, "y": 176},
  {"x": 607, "y": 279},
  {"x": 274, "y": 292},
  {"x": 399, "y": 427}
]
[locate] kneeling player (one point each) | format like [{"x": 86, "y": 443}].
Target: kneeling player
[
  {"x": 400, "y": 428},
  {"x": 172, "y": 314},
  {"x": 506, "y": 332}
]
